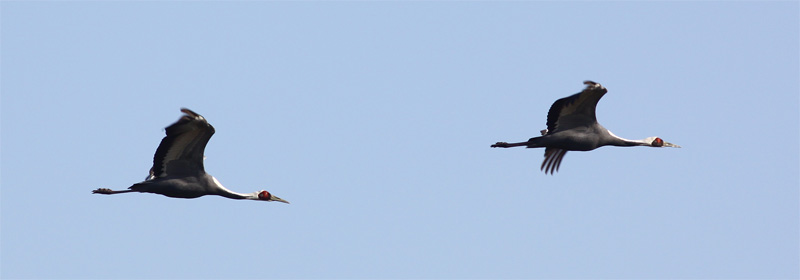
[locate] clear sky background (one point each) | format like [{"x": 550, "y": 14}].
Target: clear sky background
[{"x": 375, "y": 120}]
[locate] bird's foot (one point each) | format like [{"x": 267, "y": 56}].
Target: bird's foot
[
  {"x": 500, "y": 145},
  {"x": 103, "y": 191}
]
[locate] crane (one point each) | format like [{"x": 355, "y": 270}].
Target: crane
[
  {"x": 572, "y": 126},
  {"x": 178, "y": 165}
]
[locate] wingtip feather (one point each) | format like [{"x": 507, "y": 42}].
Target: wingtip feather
[{"x": 189, "y": 112}]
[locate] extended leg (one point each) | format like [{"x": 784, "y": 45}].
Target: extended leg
[
  {"x": 109, "y": 191},
  {"x": 508, "y": 145}
]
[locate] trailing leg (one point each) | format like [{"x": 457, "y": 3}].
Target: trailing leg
[
  {"x": 508, "y": 145},
  {"x": 109, "y": 191}
]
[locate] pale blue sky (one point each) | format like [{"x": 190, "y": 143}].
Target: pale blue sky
[{"x": 375, "y": 120}]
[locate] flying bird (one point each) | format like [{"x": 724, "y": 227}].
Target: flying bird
[
  {"x": 572, "y": 126},
  {"x": 178, "y": 165}
]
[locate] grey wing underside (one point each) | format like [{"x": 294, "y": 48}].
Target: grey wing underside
[
  {"x": 576, "y": 110},
  {"x": 151, "y": 175},
  {"x": 181, "y": 152}
]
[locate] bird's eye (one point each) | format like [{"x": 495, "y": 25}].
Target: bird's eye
[{"x": 658, "y": 142}]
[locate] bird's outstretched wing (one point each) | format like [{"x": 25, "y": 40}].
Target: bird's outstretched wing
[
  {"x": 181, "y": 151},
  {"x": 575, "y": 110}
]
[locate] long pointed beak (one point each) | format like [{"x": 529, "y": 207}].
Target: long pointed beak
[
  {"x": 275, "y": 198},
  {"x": 668, "y": 144}
]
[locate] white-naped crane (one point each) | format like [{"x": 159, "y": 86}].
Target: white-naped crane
[
  {"x": 178, "y": 165},
  {"x": 572, "y": 126}
]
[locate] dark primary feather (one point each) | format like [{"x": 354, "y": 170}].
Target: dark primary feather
[{"x": 181, "y": 151}]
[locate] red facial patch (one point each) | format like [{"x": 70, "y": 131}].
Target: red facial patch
[
  {"x": 658, "y": 142},
  {"x": 264, "y": 195}
]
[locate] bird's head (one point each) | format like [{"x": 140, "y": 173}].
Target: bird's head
[
  {"x": 658, "y": 142},
  {"x": 266, "y": 196}
]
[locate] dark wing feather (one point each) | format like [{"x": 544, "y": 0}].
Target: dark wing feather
[
  {"x": 575, "y": 110},
  {"x": 181, "y": 151},
  {"x": 552, "y": 159}
]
